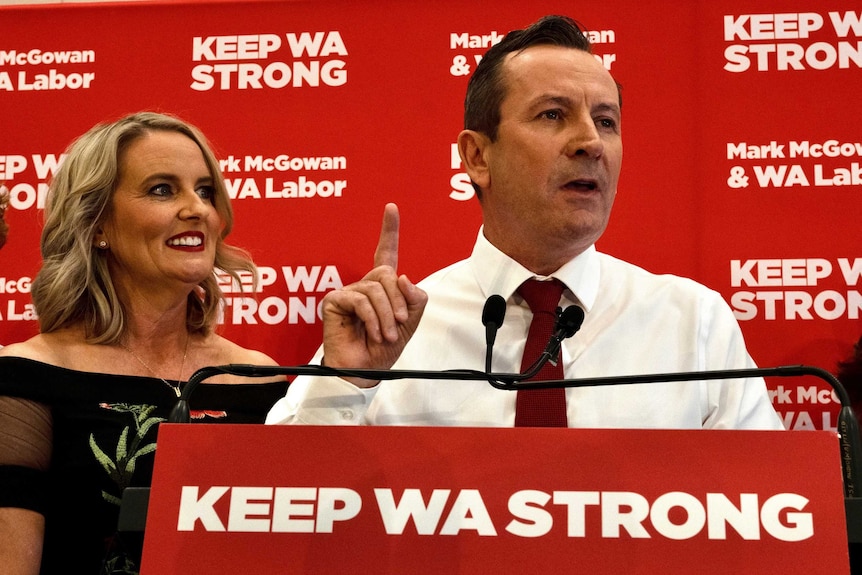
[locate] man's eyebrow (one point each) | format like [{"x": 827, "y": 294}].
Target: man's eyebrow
[
  {"x": 612, "y": 108},
  {"x": 553, "y": 99},
  {"x": 566, "y": 101}
]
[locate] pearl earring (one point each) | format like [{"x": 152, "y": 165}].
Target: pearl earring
[{"x": 103, "y": 245}]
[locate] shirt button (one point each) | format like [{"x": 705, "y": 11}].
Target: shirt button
[{"x": 347, "y": 415}]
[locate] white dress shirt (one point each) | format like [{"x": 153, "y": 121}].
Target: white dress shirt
[{"x": 636, "y": 323}]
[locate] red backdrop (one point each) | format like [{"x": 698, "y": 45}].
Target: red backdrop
[{"x": 742, "y": 146}]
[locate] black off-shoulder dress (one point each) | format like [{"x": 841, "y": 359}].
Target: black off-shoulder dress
[{"x": 104, "y": 440}]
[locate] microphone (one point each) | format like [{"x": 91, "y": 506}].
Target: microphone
[
  {"x": 492, "y": 318},
  {"x": 568, "y": 323}
]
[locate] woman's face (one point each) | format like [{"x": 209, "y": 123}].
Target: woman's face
[{"x": 162, "y": 229}]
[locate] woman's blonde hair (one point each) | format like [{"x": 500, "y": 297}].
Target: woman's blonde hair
[{"x": 74, "y": 284}]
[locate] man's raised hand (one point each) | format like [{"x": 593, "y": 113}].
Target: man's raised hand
[{"x": 367, "y": 324}]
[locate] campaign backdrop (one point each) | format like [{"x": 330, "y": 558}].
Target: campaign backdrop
[{"x": 741, "y": 167}]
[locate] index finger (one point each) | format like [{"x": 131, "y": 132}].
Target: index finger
[{"x": 387, "y": 246}]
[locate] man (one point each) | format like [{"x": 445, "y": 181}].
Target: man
[{"x": 543, "y": 148}]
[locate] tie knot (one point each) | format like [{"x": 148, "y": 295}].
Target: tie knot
[{"x": 542, "y": 296}]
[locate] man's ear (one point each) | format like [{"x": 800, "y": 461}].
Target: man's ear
[{"x": 473, "y": 147}]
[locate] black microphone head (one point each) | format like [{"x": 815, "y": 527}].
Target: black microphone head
[
  {"x": 494, "y": 311},
  {"x": 569, "y": 322}
]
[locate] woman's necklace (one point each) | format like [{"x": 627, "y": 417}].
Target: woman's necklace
[{"x": 175, "y": 387}]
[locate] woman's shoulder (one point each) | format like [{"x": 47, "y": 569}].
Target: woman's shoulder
[
  {"x": 222, "y": 351},
  {"x": 35, "y": 348},
  {"x": 51, "y": 348},
  {"x": 231, "y": 352}
]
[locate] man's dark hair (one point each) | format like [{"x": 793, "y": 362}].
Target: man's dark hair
[{"x": 486, "y": 90}]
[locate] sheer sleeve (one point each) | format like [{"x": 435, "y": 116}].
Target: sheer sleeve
[
  {"x": 25, "y": 452},
  {"x": 25, "y": 433}
]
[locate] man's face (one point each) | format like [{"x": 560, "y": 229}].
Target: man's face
[{"x": 552, "y": 172}]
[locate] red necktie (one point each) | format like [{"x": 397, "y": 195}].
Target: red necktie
[{"x": 541, "y": 407}]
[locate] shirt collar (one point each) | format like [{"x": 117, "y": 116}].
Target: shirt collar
[{"x": 497, "y": 273}]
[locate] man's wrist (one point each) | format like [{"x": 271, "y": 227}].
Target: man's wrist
[{"x": 359, "y": 382}]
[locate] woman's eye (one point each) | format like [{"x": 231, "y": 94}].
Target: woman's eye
[
  {"x": 161, "y": 190},
  {"x": 206, "y": 192}
]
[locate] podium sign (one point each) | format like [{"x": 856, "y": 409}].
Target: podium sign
[{"x": 394, "y": 500}]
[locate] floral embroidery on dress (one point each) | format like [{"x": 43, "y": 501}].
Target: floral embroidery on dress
[
  {"x": 130, "y": 446},
  {"x": 202, "y": 413},
  {"x": 120, "y": 467}
]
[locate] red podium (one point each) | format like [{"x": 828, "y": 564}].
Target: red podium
[{"x": 396, "y": 500}]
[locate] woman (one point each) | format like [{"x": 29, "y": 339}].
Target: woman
[{"x": 127, "y": 299}]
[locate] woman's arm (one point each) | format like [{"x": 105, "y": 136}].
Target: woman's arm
[{"x": 25, "y": 442}]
